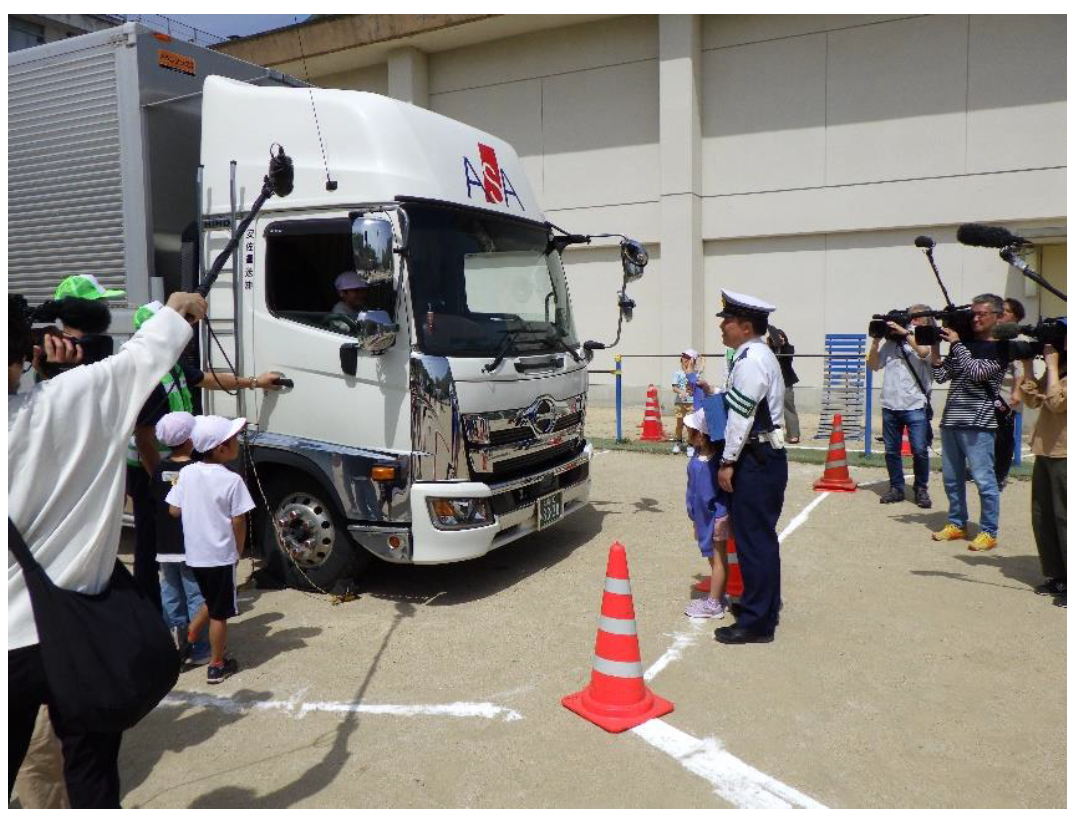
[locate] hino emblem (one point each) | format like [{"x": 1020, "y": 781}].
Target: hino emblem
[{"x": 540, "y": 415}]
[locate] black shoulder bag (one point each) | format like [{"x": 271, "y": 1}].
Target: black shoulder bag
[
  {"x": 928, "y": 404},
  {"x": 108, "y": 658}
]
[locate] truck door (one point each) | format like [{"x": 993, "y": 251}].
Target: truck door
[{"x": 296, "y": 332}]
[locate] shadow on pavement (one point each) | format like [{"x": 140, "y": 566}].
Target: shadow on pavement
[
  {"x": 1024, "y": 569},
  {"x": 256, "y": 643},
  {"x": 468, "y": 581},
  {"x": 322, "y": 773}
]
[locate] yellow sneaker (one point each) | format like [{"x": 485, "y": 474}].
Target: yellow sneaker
[
  {"x": 950, "y": 533},
  {"x": 982, "y": 541}
]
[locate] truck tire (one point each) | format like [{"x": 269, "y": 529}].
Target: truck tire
[{"x": 314, "y": 531}]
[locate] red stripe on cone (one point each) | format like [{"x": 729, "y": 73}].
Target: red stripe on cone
[{"x": 617, "y": 703}]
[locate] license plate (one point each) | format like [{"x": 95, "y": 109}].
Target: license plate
[{"x": 548, "y": 510}]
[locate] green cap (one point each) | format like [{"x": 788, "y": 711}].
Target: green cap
[
  {"x": 145, "y": 313},
  {"x": 86, "y": 287}
]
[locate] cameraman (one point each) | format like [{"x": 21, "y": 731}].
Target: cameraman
[
  {"x": 904, "y": 401},
  {"x": 67, "y": 506},
  {"x": 969, "y": 423},
  {"x": 1049, "y": 491}
]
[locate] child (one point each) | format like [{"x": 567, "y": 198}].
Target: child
[
  {"x": 706, "y": 505},
  {"x": 180, "y": 595},
  {"x": 686, "y": 391},
  {"x": 212, "y": 501}
]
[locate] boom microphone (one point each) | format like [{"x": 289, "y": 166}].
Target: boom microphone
[
  {"x": 925, "y": 242},
  {"x": 995, "y": 237}
]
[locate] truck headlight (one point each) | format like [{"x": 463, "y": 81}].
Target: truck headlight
[{"x": 459, "y": 513}]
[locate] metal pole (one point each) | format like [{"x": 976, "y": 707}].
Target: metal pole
[
  {"x": 868, "y": 409},
  {"x": 1018, "y": 457},
  {"x": 618, "y": 398}
]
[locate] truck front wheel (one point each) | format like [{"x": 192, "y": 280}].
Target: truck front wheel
[{"x": 314, "y": 549}]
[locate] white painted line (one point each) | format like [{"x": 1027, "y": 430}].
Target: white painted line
[
  {"x": 800, "y": 519},
  {"x": 296, "y": 709},
  {"x": 732, "y": 779},
  {"x": 674, "y": 652}
]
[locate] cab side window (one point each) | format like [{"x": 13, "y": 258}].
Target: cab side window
[{"x": 302, "y": 260}]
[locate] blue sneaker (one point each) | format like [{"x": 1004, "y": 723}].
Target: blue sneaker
[{"x": 215, "y": 674}]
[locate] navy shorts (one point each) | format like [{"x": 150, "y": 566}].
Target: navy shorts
[{"x": 218, "y": 587}]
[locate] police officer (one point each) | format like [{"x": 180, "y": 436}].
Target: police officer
[{"x": 754, "y": 464}]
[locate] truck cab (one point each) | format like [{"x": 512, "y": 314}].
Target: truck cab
[{"x": 444, "y": 416}]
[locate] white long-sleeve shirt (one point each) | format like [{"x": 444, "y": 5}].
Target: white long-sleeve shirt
[
  {"x": 754, "y": 378},
  {"x": 67, "y": 440}
]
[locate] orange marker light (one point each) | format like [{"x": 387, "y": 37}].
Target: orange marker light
[{"x": 383, "y": 473}]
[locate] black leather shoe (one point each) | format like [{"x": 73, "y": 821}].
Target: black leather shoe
[
  {"x": 735, "y": 635},
  {"x": 893, "y": 496},
  {"x": 921, "y": 498}
]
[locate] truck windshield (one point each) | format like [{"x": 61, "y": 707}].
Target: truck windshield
[{"x": 482, "y": 284}]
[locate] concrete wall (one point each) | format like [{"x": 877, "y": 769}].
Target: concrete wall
[{"x": 792, "y": 157}]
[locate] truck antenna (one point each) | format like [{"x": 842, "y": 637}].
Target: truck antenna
[{"x": 331, "y": 185}]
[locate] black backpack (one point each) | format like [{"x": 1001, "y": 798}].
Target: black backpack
[{"x": 109, "y": 659}]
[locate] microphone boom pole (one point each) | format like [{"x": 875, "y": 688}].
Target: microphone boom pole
[{"x": 1009, "y": 254}]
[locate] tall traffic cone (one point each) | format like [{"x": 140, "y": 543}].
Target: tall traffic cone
[
  {"x": 735, "y": 586},
  {"x": 905, "y": 449},
  {"x": 652, "y": 426},
  {"x": 836, "y": 476},
  {"x": 616, "y": 699}
]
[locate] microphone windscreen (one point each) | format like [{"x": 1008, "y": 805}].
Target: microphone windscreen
[
  {"x": 925, "y": 242},
  {"x": 1006, "y": 331},
  {"x": 995, "y": 237}
]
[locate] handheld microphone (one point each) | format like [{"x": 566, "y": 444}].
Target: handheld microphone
[
  {"x": 925, "y": 242},
  {"x": 995, "y": 237}
]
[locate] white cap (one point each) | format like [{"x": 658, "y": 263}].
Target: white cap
[
  {"x": 350, "y": 279},
  {"x": 213, "y": 430},
  {"x": 174, "y": 428},
  {"x": 740, "y": 305},
  {"x": 696, "y": 421},
  {"x": 691, "y": 353}
]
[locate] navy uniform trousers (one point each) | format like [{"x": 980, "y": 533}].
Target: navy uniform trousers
[{"x": 760, "y": 482}]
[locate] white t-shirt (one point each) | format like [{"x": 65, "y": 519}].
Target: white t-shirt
[{"x": 209, "y": 497}]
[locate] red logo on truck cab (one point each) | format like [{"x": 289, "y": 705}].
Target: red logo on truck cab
[{"x": 495, "y": 183}]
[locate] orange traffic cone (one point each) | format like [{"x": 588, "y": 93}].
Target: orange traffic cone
[
  {"x": 652, "y": 426},
  {"x": 616, "y": 699},
  {"x": 836, "y": 476},
  {"x": 905, "y": 449},
  {"x": 735, "y": 587}
]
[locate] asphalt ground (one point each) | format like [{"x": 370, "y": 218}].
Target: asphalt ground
[{"x": 905, "y": 673}]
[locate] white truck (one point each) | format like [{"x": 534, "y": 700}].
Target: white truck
[{"x": 444, "y": 421}]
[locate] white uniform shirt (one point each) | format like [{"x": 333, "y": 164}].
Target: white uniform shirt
[
  {"x": 754, "y": 378},
  {"x": 67, "y": 442},
  {"x": 209, "y": 497}
]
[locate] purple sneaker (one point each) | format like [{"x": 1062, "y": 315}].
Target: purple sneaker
[{"x": 706, "y": 609}]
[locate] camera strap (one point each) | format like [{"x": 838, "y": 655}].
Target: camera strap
[{"x": 903, "y": 351}]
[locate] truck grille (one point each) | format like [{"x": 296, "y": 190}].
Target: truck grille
[
  {"x": 500, "y": 438},
  {"x": 531, "y": 462}
]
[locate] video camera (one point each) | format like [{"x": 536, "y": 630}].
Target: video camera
[
  {"x": 960, "y": 319},
  {"x": 878, "y": 327},
  {"x": 95, "y": 347},
  {"x": 1052, "y": 331}
]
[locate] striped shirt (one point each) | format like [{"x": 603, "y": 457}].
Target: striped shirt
[{"x": 975, "y": 370}]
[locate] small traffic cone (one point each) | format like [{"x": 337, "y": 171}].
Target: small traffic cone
[
  {"x": 735, "y": 586},
  {"x": 836, "y": 476},
  {"x": 616, "y": 699},
  {"x": 652, "y": 426},
  {"x": 905, "y": 449}
]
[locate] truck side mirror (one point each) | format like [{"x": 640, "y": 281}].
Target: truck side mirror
[
  {"x": 375, "y": 332},
  {"x": 634, "y": 260},
  {"x": 372, "y": 249}
]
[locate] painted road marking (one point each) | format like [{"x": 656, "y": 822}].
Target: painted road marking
[
  {"x": 732, "y": 779},
  {"x": 740, "y": 784},
  {"x": 297, "y": 709}
]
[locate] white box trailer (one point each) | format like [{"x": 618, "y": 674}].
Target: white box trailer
[{"x": 443, "y": 419}]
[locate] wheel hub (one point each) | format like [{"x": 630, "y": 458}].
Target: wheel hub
[{"x": 306, "y": 529}]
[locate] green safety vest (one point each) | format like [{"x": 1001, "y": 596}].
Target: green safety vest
[{"x": 179, "y": 399}]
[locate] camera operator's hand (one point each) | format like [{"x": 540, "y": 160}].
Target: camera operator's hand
[
  {"x": 56, "y": 349},
  {"x": 949, "y": 335},
  {"x": 189, "y": 304},
  {"x": 898, "y": 329},
  {"x": 1052, "y": 357}
]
